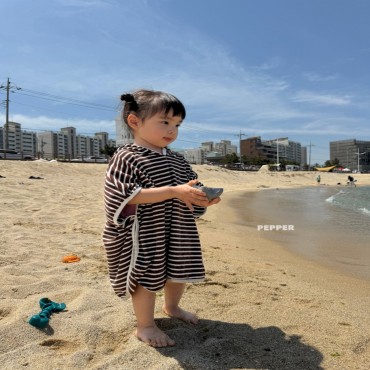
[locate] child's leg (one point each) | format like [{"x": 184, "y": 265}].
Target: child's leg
[
  {"x": 172, "y": 296},
  {"x": 144, "y": 301}
]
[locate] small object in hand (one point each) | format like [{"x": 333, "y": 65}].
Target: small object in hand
[
  {"x": 212, "y": 193},
  {"x": 71, "y": 258}
]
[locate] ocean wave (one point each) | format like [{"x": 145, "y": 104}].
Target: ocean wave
[
  {"x": 365, "y": 211},
  {"x": 333, "y": 198},
  {"x": 357, "y": 200},
  {"x": 330, "y": 199}
]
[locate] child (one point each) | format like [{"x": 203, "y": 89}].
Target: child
[{"x": 150, "y": 237}]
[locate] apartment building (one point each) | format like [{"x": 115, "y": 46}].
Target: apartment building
[
  {"x": 16, "y": 139},
  {"x": 273, "y": 150},
  {"x": 64, "y": 144},
  {"x": 253, "y": 147},
  {"x": 29, "y": 143},
  {"x": 225, "y": 147},
  {"x": 123, "y": 134},
  {"x": 67, "y": 144},
  {"x": 352, "y": 153},
  {"x": 304, "y": 156},
  {"x": 288, "y": 150},
  {"x": 194, "y": 156}
]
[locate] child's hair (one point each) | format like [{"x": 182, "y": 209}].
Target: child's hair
[{"x": 147, "y": 103}]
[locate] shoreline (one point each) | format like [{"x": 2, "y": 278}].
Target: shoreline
[
  {"x": 274, "y": 248},
  {"x": 297, "y": 233},
  {"x": 260, "y": 307}
]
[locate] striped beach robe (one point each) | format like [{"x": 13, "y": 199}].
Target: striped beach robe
[{"x": 151, "y": 243}]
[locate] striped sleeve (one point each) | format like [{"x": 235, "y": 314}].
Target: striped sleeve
[{"x": 121, "y": 185}]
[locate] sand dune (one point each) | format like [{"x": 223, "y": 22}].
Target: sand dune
[{"x": 260, "y": 306}]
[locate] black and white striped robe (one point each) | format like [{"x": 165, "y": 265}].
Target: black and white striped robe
[{"x": 148, "y": 244}]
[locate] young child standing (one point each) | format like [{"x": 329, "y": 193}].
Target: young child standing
[{"x": 150, "y": 237}]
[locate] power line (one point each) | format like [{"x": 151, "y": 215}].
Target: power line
[
  {"x": 71, "y": 102},
  {"x": 8, "y": 88},
  {"x": 56, "y": 98},
  {"x": 34, "y": 106},
  {"x": 63, "y": 98}
]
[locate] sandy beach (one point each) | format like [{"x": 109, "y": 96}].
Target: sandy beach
[{"x": 261, "y": 307}]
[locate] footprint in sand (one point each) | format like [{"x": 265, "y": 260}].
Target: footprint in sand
[
  {"x": 4, "y": 312},
  {"x": 59, "y": 345}
]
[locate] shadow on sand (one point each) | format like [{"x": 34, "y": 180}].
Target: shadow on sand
[{"x": 221, "y": 345}]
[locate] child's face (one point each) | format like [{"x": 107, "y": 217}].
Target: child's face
[{"x": 157, "y": 131}]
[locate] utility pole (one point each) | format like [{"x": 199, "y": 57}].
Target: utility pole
[
  {"x": 309, "y": 161},
  {"x": 42, "y": 147},
  {"x": 7, "y": 115},
  {"x": 6, "y": 126},
  {"x": 7, "y": 87},
  {"x": 240, "y": 149},
  {"x": 358, "y": 158}
]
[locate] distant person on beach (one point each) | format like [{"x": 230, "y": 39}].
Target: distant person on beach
[
  {"x": 351, "y": 181},
  {"x": 318, "y": 179},
  {"x": 150, "y": 236}
]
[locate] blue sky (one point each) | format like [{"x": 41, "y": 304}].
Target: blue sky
[{"x": 271, "y": 68}]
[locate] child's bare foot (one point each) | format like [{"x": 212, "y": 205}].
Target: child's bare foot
[
  {"x": 179, "y": 313},
  {"x": 153, "y": 336}
]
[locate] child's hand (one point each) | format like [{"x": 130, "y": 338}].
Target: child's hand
[
  {"x": 190, "y": 195},
  {"x": 214, "y": 201}
]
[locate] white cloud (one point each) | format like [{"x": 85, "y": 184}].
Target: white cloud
[
  {"x": 273, "y": 63},
  {"x": 315, "y": 77},
  {"x": 84, "y": 3},
  {"x": 324, "y": 99}
]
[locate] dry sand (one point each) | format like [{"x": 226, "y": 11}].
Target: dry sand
[{"x": 261, "y": 307}]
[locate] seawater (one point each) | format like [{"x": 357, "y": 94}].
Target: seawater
[
  {"x": 356, "y": 199},
  {"x": 330, "y": 224}
]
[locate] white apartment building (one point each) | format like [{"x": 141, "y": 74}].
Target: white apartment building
[
  {"x": 288, "y": 150},
  {"x": 225, "y": 147},
  {"x": 222, "y": 148},
  {"x": 102, "y": 139},
  {"x": 13, "y": 136},
  {"x": 123, "y": 134},
  {"x": 29, "y": 143},
  {"x": 87, "y": 146},
  {"x": 70, "y": 134},
  {"x": 67, "y": 145},
  {"x": 194, "y": 156},
  {"x": 50, "y": 145},
  {"x": 208, "y": 146},
  {"x": 21, "y": 141},
  {"x": 47, "y": 145}
]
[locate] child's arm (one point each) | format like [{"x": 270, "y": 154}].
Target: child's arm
[{"x": 185, "y": 192}]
